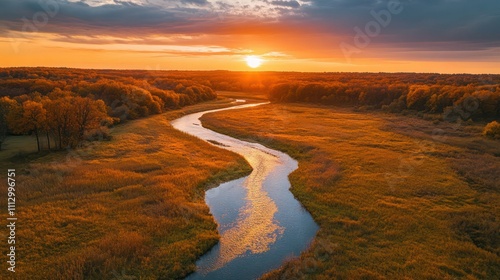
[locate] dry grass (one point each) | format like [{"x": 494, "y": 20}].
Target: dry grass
[
  {"x": 256, "y": 96},
  {"x": 129, "y": 207},
  {"x": 390, "y": 204}
]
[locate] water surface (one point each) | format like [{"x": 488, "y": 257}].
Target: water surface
[{"x": 260, "y": 222}]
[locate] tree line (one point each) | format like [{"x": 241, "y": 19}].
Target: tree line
[
  {"x": 64, "y": 107},
  {"x": 476, "y": 100},
  {"x": 130, "y": 94},
  {"x": 61, "y": 116}
]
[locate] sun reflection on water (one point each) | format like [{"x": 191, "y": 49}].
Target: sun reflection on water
[{"x": 255, "y": 229}]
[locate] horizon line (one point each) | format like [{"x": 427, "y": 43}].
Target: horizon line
[{"x": 242, "y": 71}]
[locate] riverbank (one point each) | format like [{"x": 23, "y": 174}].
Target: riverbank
[
  {"x": 133, "y": 206},
  {"x": 390, "y": 202},
  {"x": 260, "y": 223}
]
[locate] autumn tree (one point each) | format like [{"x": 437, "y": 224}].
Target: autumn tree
[
  {"x": 418, "y": 96},
  {"x": 30, "y": 117},
  {"x": 6, "y": 104},
  {"x": 70, "y": 117},
  {"x": 59, "y": 119},
  {"x": 89, "y": 114},
  {"x": 492, "y": 130},
  {"x": 34, "y": 117}
]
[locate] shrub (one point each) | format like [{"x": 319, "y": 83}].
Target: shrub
[
  {"x": 99, "y": 134},
  {"x": 492, "y": 130}
]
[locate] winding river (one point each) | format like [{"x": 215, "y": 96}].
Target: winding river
[{"x": 260, "y": 222}]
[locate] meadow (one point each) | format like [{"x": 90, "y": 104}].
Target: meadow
[
  {"x": 393, "y": 167},
  {"x": 396, "y": 197},
  {"x": 129, "y": 207}
]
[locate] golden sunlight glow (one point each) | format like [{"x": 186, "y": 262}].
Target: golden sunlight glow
[
  {"x": 253, "y": 61},
  {"x": 255, "y": 229}
]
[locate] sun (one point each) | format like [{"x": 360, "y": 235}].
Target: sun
[{"x": 253, "y": 61}]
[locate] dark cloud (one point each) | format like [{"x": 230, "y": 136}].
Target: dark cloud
[
  {"x": 289, "y": 4},
  {"x": 79, "y": 13},
  {"x": 420, "y": 20},
  {"x": 196, "y": 2}
]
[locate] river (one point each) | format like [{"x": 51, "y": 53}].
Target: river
[{"x": 260, "y": 222}]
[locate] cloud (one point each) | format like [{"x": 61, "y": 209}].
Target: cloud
[
  {"x": 420, "y": 20},
  {"x": 458, "y": 25},
  {"x": 289, "y": 4},
  {"x": 196, "y": 2},
  {"x": 132, "y": 18}
]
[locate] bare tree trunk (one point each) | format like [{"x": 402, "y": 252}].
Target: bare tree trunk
[
  {"x": 48, "y": 141},
  {"x": 60, "y": 137},
  {"x": 37, "y": 139}
]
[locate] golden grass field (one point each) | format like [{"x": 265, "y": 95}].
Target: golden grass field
[
  {"x": 132, "y": 206},
  {"x": 391, "y": 202}
]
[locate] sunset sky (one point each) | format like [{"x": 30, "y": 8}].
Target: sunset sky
[{"x": 448, "y": 36}]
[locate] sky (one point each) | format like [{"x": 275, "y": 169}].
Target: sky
[{"x": 445, "y": 36}]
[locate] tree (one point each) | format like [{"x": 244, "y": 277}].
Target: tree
[
  {"x": 34, "y": 117},
  {"x": 70, "y": 117},
  {"x": 59, "y": 120},
  {"x": 30, "y": 117},
  {"x": 492, "y": 130},
  {"x": 6, "y": 105},
  {"x": 418, "y": 96},
  {"x": 88, "y": 115}
]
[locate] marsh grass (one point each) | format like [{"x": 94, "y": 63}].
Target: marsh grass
[
  {"x": 438, "y": 220},
  {"x": 258, "y": 96},
  {"x": 133, "y": 206}
]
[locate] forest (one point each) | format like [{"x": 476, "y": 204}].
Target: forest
[
  {"x": 475, "y": 97},
  {"x": 67, "y": 106}
]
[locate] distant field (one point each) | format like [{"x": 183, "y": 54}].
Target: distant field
[
  {"x": 133, "y": 206},
  {"x": 261, "y": 95},
  {"x": 391, "y": 202}
]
